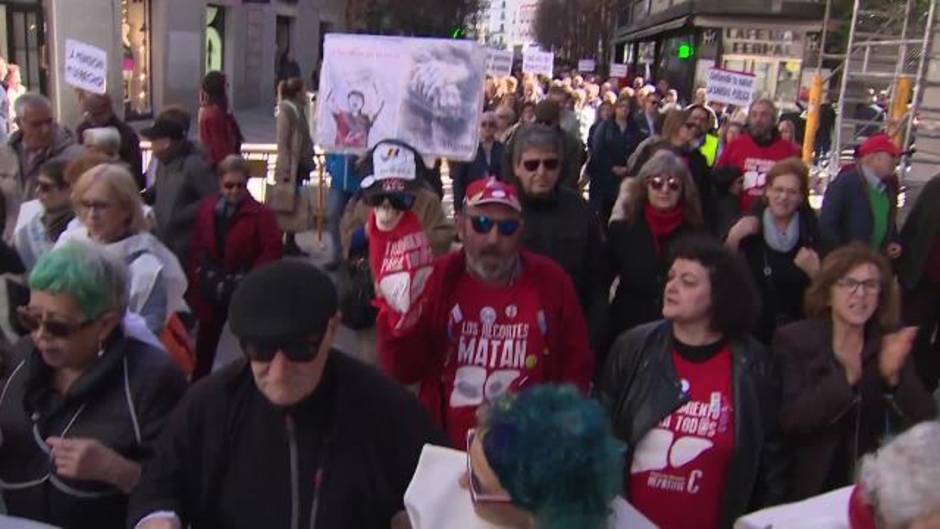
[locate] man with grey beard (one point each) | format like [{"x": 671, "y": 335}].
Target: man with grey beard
[{"x": 492, "y": 318}]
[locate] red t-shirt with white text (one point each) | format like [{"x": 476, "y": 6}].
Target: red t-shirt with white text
[
  {"x": 400, "y": 261},
  {"x": 679, "y": 468},
  {"x": 754, "y": 161}
]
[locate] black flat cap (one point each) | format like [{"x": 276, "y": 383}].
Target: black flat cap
[
  {"x": 164, "y": 128},
  {"x": 286, "y": 299}
]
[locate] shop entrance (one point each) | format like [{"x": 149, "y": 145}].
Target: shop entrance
[{"x": 778, "y": 79}]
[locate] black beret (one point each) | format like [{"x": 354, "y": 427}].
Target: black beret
[{"x": 286, "y": 299}]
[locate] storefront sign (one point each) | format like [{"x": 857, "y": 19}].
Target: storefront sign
[
  {"x": 764, "y": 42},
  {"x": 538, "y": 62},
  {"x": 618, "y": 70},
  {"x": 732, "y": 88},
  {"x": 587, "y": 65},
  {"x": 86, "y": 67},
  {"x": 499, "y": 63}
]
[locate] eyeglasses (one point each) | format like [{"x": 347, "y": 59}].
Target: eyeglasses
[
  {"x": 32, "y": 321},
  {"x": 233, "y": 185},
  {"x": 484, "y": 225},
  {"x": 476, "y": 489},
  {"x": 296, "y": 350},
  {"x": 659, "y": 182},
  {"x": 533, "y": 165},
  {"x": 96, "y": 205},
  {"x": 869, "y": 286},
  {"x": 399, "y": 201}
]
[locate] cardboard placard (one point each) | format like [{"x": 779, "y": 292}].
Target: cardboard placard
[
  {"x": 731, "y": 88},
  {"x": 618, "y": 70},
  {"x": 86, "y": 67},
  {"x": 538, "y": 62},
  {"x": 587, "y": 65},
  {"x": 499, "y": 63}
]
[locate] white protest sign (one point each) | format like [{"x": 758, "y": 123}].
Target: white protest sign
[
  {"x": 732, "y": 88},
  {"x": 499, "y": 63},
  {"x": 538, "y": 62},
  {"x": 618, "y": 70},
  {"x": 86, "y": 67},
  {"x": 587, "y": 65}
]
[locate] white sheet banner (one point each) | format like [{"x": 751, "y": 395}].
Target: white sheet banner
[{"x": 86, "y": 67}]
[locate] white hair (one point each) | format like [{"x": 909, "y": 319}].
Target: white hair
[
  {"x": 902, "y": 478},
  {"x": 107, "y": 139},
  {"x": 31, "y": 100}
]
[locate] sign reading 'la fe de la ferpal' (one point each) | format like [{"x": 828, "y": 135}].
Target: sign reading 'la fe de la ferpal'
[{"x": 86, "y": 67}]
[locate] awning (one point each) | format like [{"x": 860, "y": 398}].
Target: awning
[
  {"x": 705, "y": 21},
  {"x": 670, "y": 25}
]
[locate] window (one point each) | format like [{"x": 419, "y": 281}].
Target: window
[
  {"x": 215, "y": 38},
  {"x": 135, "y": 66}
]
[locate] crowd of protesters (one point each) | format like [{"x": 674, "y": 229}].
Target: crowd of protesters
[{"x": 633, "y": 309}]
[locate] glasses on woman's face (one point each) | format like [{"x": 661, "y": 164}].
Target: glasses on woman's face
[
  {"x": 32, "y": 320},
  {"x": 851, "y": 285},
  {"x": 476, "y": 489},
  {"x": 660, "y": 182},
  {"x": 533, "y": 165}
]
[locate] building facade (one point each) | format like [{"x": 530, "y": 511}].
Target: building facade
[
  {"x": 508, "y": 24},
  {"x": 680, "y": 40}
]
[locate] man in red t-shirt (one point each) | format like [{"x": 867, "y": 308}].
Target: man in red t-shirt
[
  {"x": 748, "y": 158},
  {"x": 492, "y": 319}
]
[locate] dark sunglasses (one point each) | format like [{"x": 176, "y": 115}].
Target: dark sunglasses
[
  {"x": 399, "y": 201},
  {"x": 476, "y": 490},
  {"x": 659, "y": 182},
  {"x": 296, "y": 350},
  {"x": 32, "y": 321},
  {"x": 484, "y": 225},
  {"x": 532, "y": 165},
  {"x": 233, "y": 185}
]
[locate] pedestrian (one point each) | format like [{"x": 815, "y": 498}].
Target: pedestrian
[
  {"x": 336, "y": 427},
  {"x": 780, "y": 241},
  {"x": 505, "y": 120},
  {"x": 487, "y": 162},
  {"x": 662, "y": 207},
  {"x": 919, "y": 274},
  {"x": 344, "y": 184},
  {"x": 649, "y": 118},
  {"x": 234, "y": 234},
  {"x": 612, "y": 142},
  {"x": 219, "y": 133},
  {"x": 860, "y": 204},
  {"x": 111, "y": 213},
  {"x": 493, "y": 318},
  {"x": 605, "y": 112},
  {"x": 5, "y": 121},
  {"x": 695, "y": 398},
  {"x": 36, "y": 237},
  {"x": 705, "y": 139},
  {"x": 39, "y": 139},
  {"x": 287, "y": 68},
  {"x": 745, "y": 161},
  {"x": 182, "y": 179},
  {"x": 848, "y": 380},
  {"x": 15, "y": 89},
  {"x": 82, "y": 402},
  {"x": 294, "y": 154},
  {"x": 787, "y": 131},
  {"x": 727, "y": 133},
  {"x": 99, "y": 112},
  {"x": 548, "y": 113},
  {"x": 105, "y": 141}
]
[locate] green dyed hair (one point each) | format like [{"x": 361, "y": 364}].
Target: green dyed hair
[{"x": 95, "y": 280}]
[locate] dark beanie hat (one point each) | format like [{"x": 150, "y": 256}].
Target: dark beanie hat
[{"x": 289, "y": 298}]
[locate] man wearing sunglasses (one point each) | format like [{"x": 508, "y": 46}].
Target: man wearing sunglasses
[
  {"x": 548, "y": 113},
  {"x": 493, "y": 318},
  {"x": 296, "y": 435}
]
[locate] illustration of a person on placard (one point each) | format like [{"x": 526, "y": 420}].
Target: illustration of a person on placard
[{"x": 352, "y": 122}]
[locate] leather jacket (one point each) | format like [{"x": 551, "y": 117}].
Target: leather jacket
[{"x": 640, "y": 388}]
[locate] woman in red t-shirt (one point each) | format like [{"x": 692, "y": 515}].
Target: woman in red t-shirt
[{"x": 694, "y": 396}]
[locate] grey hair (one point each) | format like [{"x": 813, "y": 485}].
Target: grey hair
[
  {"x": 105, "y": 138},
  {"x": 537, "y": 136},
  {"x": 901, "y": 478},
  {"x": 770, "y": 103},
  {"x": 665, "y": 162},
  {"x": 31, "y": 99}
]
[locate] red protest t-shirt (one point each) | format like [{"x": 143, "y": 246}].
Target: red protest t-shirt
[
  {"x": 754, "y": 161},
  {"x": 495, "y": 344},
  {"x": 400, "y": 261},
  {"x": 679, "y": 468}
]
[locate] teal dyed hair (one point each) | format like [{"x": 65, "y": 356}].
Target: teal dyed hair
[
  {"x": 96, "y": 281},
  {"x": 554, "y": 452}
]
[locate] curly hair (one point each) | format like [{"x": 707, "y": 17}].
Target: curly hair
[{"x": 554, "y": 452}]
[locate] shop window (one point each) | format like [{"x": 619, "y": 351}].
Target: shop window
[
  {"x": 22, "y": 38},
  {"x": 677, "y": 61},
  {"x": 135, "y": 66},
  {"x": 215, "y": 38}
]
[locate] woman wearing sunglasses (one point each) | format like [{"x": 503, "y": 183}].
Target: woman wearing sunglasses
[
  {"x": 695, "y": 398},
  {"x": 848, "y": 378},
  {"x": 35, "y": 237},
  {"x": 234, "y": 234},
  {"x": 111, "y": 212},
  {"x": 663, "y": 205},
  {"x": 81, "y": 402}
]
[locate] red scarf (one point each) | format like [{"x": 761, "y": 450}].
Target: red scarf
[{"x": 662, "y": 224}]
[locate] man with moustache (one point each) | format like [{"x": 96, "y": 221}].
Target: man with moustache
[{"x": 493, "y": 318}]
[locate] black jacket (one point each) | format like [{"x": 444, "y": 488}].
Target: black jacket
[
  {"x": 611, "y": 146},
  {"x": 698, "y": 168},
  {"x": 121, "y": 400},
  {"x": 919, "y": 234},
  {"x": 466, "y": 172},
  {"x": 565, "y": 229},
  {"x": 640, "y": 388},
  {"x": 229, "y": 458},
  {"x": 846, "y": 214}
]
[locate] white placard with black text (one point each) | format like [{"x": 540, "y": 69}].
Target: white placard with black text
[{"x": 86, "y": 67}]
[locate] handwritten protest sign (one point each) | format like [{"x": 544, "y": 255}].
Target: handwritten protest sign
[
  {"x": 499, "y": 63},
  {"x": 538, "y": 62},
  {"x": 86, "y": 67},
  {"x": 587, "y": 65},
  {"x": 618, "y": 70},
  {"x": 732, "y": 88}
]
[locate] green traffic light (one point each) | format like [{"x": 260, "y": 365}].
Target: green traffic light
[{"x": 685, "y": 51}]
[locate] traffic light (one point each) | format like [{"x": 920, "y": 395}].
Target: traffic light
[{"x": 685, "y": 51}]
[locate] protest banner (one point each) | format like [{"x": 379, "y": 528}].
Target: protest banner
[
  {"x": 499, "y": 63},
  {"x": 538, "y": 62},
  {"x": 732, "y": 88},
  {"x": 587, "y": 65},
  {"x": 618, "y": 70},
  {"x": 425, "y": 92},
  {"x": 86, "y": 67}
]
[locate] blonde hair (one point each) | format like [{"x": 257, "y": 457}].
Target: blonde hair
[{"x": 120, "y": 184}]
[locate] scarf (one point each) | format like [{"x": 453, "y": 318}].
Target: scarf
[
  {"x": 55, "y": 223},
  {"x": 781, "y": 241},
  {"x": 662, "y": 224}
]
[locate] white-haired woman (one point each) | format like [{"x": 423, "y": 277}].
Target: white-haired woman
[{"x": 103, "y": 140}]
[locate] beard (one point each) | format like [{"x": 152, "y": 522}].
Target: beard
[{"x": 491, "y": 267}]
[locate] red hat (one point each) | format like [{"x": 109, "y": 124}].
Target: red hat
[
  {"x": 492, "y": 191},
  {"x": 878, "y": 143}
]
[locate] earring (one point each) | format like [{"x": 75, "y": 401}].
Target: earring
[{"x": 100, "y": 349}]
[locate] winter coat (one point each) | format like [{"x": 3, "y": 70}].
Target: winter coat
[
  {"x": 121, "y": 400},
  {"x": 464, "y": 173},
  {"x": 294, "y": 146},
  {"x": 846, "y": 214},
  {"x": 919, "y": 235},
  {"x": 610, "y": 146},
  {"x": 181, "y": 183},
  {"x": 218, "y": 133}
]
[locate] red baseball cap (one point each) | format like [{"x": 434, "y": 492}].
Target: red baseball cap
[
  {"x": 878, "y": 143},
  {"x": 492, "y": 191}
]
